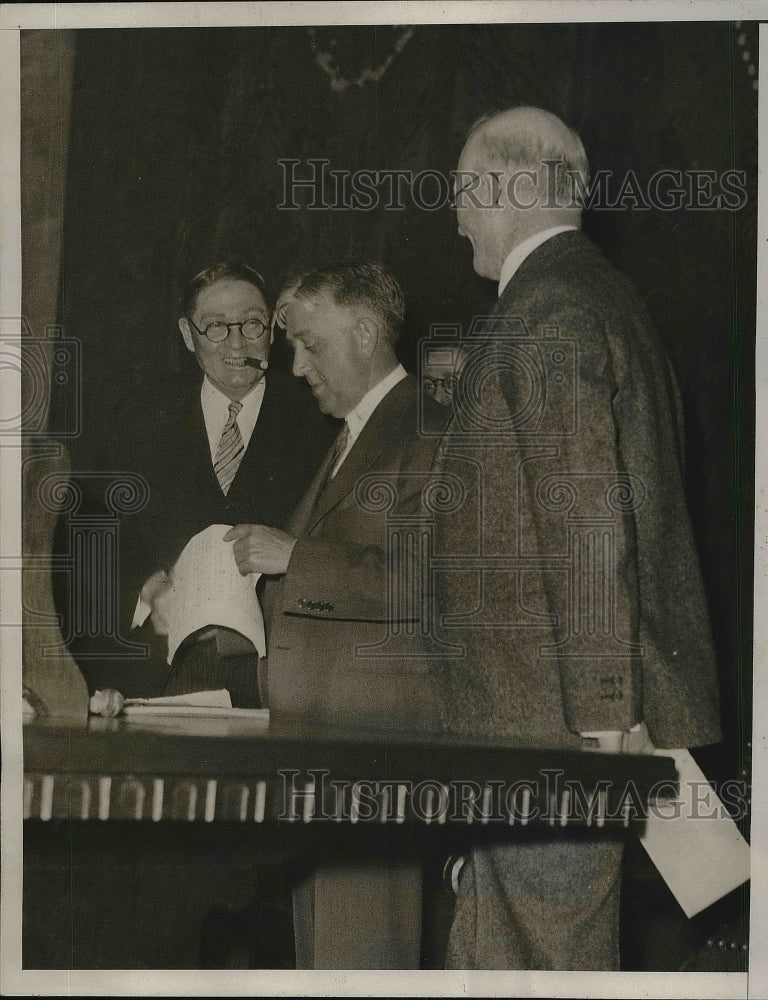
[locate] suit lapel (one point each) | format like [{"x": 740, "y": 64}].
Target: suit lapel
[
  {"x": 360, "y": 458},
  {"x": 193, "y": 429},
  {"x": 319, "y": 500},
  {"x": 301, "y": 515}
]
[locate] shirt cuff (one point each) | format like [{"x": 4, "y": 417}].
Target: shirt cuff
[
  {"x": 597, "y": 733},
  {"x": 141, "y": 613}
]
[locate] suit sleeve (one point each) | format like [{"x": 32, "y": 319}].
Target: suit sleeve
[{"x": 336, "y": 580}]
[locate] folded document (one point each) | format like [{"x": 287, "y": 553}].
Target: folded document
[
  {"x": 199, "y": 704},
  {"x": 693, "y": 841}
]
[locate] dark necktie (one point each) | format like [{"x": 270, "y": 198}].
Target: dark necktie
[
  {"x": 230, "y": 450},
  {"x": 339, "y": 447}
]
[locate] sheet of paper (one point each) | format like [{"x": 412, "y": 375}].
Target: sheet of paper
[
  {"x": 202, "y": 699},
  {"x": 195, "y": 711},
  {"x": 208, "y": 589},
  {"x": 198, "y": 704},
  {"x": 693, "y": 842}
]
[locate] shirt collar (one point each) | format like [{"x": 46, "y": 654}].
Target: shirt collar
[
  {"x": 358, "y": 417},
  {"x": 211, "y": 396},
  {"x": 516, "y": 257}
]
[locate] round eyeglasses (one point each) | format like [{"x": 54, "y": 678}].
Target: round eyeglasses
[
  {"x": 216, "y": 332},
  {"x": 448, "y": 385}
]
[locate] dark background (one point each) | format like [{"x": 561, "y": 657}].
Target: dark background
[
  {"x": 173, "y": 163},
  {"x": 174, "y": 138}
]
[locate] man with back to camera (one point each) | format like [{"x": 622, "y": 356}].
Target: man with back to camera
[
  {"x": 330, "y": 595},
  {"x": 239, "y": 447},
  {"x": 614, "y": 652}
]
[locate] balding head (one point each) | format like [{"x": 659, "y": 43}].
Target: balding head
[
  {"x": 529, "y": 139},
  {"x": 522, "y": 171}
]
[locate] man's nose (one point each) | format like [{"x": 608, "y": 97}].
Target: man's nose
[
  {"x": 236, "y": 338},
  {"x": 299, "y": 362}
]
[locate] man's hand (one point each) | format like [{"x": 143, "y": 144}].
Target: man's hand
[
  {"x": 604, "y": 740},
  {"x": 259, "y": 549},
  {"x": 155, "y": 593},
  {"x": 636, "y": 740}
]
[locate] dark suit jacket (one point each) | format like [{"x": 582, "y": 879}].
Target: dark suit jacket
[
  {"x": 165, "y": 442},
  {"x": 574, "y": 469},
  {"x": 333, "y": 601}
]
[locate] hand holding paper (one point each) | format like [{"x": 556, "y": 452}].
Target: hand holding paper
[
  {"x": 149, "y": 602},
  {"x": 155, "y": 593},
  {"x": 205, "y": 588},
  {"x": 259, "y": 549}
]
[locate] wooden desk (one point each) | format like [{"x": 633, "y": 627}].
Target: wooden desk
[
  {"x": 243, "y": 771},
  {"x": 136, "y": 829}
]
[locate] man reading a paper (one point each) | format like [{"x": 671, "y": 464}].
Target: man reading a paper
[
  {"x": 330, "y": 600},
  {"x": 328, "y": 608},
  {"x": 241, "y": 447}
]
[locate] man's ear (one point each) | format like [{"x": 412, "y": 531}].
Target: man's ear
[
  {"x": 367, "y": 335},
  {"x": 186, "y": 332}
]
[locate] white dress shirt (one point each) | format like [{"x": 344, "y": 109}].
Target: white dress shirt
[
  {"x": 516, "y": 257},
  {"x": 216, "y": 412},
  {"x": 358, "y": 417}
]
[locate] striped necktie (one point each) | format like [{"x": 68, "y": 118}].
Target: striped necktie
[
  {"x": 230, "y": 450},
  {"x": 339, "y": 447}
]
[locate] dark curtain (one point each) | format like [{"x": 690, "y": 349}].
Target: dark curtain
[{"x": 174, "y": 162}]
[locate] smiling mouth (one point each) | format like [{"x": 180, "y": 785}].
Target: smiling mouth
[{"x": 235, "y": 362}]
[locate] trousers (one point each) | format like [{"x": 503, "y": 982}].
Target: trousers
[
  {"x": 359, "y": 915},
  {"x": 200, "y": 666},
  {"x": 551, "y": 904}
]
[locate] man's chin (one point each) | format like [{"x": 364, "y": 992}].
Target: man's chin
[
  {"x": 239, "y": 385},
  {"x": 327, "y": 407},
  {"x": 485, "y": 270}
]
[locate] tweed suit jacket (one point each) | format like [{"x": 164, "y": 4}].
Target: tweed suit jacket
[
  {"x": 594, "y": 615},
  {"x": 164, "y": 441},
  {"x": 333, "y": 601}
]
